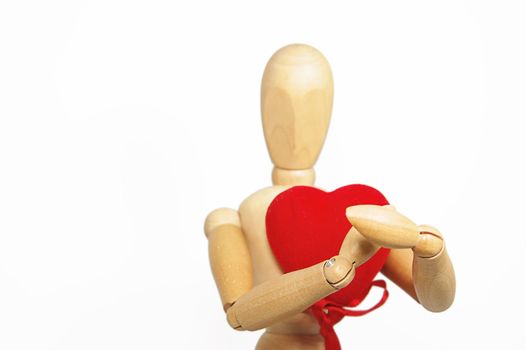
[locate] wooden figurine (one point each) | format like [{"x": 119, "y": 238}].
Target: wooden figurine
[{"x": 294, "y": 259}]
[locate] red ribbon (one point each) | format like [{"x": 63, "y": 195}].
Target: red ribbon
[{"x": 328, "y": 314}]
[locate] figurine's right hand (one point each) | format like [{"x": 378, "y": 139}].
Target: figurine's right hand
[
  {"x": 356, "y": 248},
  {"x": 339, "y": 271}
]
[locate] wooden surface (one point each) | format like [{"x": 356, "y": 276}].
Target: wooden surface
[
  {"x": 399, "y": 269},
  {"x": 280, "y": 298},
  {"x": 296, "y": 103},
  {"x": 384, "y": 226},
  {"x": 430, "y": 277},
  {"x": 357, "y": 248},
  {"x": 434, "y": 280},
  {"x": 281, "y": 341},
  {"x": 230, "y": 262},
  {"x": 430, "y": 242},
  {"x": 286, "y": 177}
]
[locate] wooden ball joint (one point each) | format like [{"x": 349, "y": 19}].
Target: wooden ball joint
[{"x": 253, "y": 273}]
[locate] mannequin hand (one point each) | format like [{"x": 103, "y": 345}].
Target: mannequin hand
[{"x": 386, "y": 227}]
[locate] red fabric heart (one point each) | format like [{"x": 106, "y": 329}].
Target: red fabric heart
[{"x": 306, "y": 225}]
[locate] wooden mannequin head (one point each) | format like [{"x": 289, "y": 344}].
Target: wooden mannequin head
[{"x": 296, "y": 105}]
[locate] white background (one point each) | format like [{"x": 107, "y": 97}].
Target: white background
[{"x": 123, "y": 123}]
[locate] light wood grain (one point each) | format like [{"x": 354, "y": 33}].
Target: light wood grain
[
  {"x": 286, "y": 177},
  {"x": 434, "y": 280},
  {"x": 279, "y": 298},
  {"x": 296, "y": 105},
  {"x": 283, "y": 341},
  {"x": 430, "y": 242},
  {"x": 228, "y": 254},
  {"x": 252, "y": 212},
  {"x": 399, "y": 269},
  {"x": 289, "y": 294},
  {"x": 383, "y": 226},
  {"x": 357, "y": 248},
  {"x": 432, "y": 276},
  {"x": 221, "y": 216},
  {"x": 430, "y": 281}
]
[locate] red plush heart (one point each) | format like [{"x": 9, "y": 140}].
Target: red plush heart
[{"x": 306, "y": 225}]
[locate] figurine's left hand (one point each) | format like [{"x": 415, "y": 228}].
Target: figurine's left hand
[{"x": 386, "y": 227}]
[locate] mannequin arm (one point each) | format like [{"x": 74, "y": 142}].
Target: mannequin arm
[
  {"x": 426, "y": 273},
  {"x": 433, "y": 274},
  {"x": 399, "y": 269},
  {"x": 294, "y": 292},
  {"x": 282, "y": 297},
  {"x": 228, "y": 254},
  {"x": 289, "y": 294}
]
